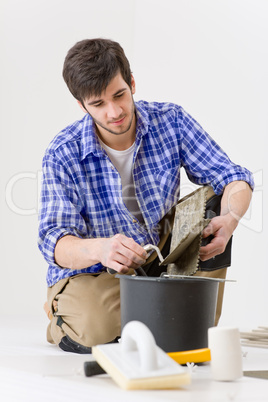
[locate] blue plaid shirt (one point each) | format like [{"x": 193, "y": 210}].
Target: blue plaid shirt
[{"x": 81, "y": 189}]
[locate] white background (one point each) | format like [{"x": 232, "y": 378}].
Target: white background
[{"x": 210, "y": 56}]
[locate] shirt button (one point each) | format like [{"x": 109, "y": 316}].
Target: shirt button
[{"x": 134, "y": 220}]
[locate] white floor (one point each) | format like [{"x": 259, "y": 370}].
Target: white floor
[{"x": 33, "y": 370}]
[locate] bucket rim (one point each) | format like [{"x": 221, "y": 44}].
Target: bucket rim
[{"x": 169, "y": 278}]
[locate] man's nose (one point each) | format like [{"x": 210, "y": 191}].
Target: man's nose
[{"x": 114, "y": 111}]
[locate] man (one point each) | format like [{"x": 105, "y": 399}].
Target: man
[{"x": 108, "y": 181}]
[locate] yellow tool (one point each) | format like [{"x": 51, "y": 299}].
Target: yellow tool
[{"x": 191, "y": 356}]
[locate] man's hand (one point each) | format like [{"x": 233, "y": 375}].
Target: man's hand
[
  {"x": 234, "y": 204},
  {"x": 221, "y": 228},
  {"x": 121, "y": 253}
]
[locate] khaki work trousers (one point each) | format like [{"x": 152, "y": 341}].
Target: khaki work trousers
[{"x": 89, "y": 306}]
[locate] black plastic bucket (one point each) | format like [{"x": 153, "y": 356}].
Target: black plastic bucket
[{"x": 177, "y": 311}]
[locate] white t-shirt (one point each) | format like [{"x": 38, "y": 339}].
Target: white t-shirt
[{"x": 123, "y": 162}]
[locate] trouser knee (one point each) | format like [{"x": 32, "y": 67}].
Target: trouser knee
[{"x": 89, "y": 310}]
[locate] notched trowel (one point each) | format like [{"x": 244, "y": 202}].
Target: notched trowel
[{"x": 189, "y": 222}]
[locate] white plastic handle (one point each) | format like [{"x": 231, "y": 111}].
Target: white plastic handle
[
  {"x": 149, "y": 247},
  {"x": 136, "y": 336}
]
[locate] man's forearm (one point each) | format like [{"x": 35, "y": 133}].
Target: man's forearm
[
  {"x": 75, "y": 253},
  {"x": 118, "y": 252},
  {"x": 235, "y": 201}
]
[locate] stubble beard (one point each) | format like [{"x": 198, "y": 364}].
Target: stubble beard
[{"x": 116, "y": 132}]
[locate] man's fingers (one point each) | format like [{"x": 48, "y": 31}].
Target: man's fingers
[
  {"x": 132, "y": 250},
  {"x": 121, "y": 269},
  {"x": 212, "y": 227},
  {"x": 215, "y": 247},
  {"x": 124, "y": 260},
  {"x": 122, "y": 253}
]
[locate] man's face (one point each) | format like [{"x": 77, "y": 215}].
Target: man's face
[{"x": 113, "y": 111}]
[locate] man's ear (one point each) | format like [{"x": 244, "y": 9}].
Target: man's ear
[
  {"x": 133, "y": 85},
  {"x": 82, "y": 107}
]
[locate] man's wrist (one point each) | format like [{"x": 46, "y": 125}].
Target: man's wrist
[{"x": 232, "y": 220}]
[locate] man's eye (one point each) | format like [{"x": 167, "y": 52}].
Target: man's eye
[
  {"x": 119, "y": 95},
  {"x": 98, "y": 104}
]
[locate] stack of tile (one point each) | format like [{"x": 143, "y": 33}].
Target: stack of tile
[{"x": 257, "y": 337}]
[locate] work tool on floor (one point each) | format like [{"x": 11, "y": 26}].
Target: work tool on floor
[
  {"x": 93, "y": 368},
  {"x": 191, "y": 356},
  {"x": 138, "y": 363}
]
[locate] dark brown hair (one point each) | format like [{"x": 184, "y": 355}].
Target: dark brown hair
[{"x": 91, "y": 64}]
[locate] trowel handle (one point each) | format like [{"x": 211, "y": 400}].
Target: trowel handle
[
  {"x": 93, "y": 368},
  {"x": 149, "y": 247},
  {"x": 140, "y": 272},
  {"x": 136, "y": 336}
]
